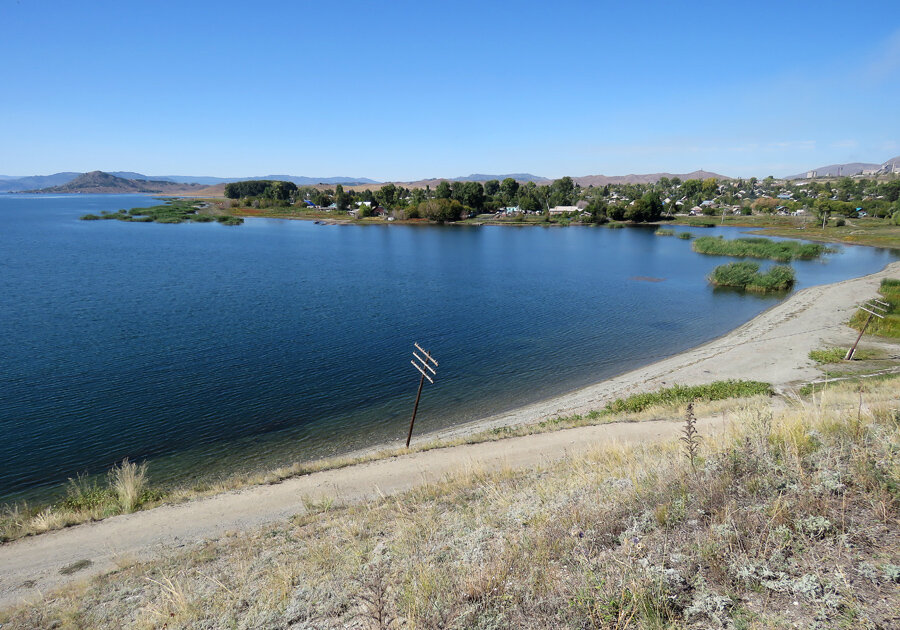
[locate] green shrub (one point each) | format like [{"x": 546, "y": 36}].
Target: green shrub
[
  {"x": 664, "y": 232},
  {"x": 90, "y": 217},
  {"x": 680, "y": 394},
  {"x": 686, "y": 236},
  {"x": 84, "y": 495}
]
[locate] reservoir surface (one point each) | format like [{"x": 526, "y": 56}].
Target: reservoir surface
[{"x": 207, "y": 349}]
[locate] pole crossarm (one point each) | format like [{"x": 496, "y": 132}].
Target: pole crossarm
[
  {"x": 430, "y": 358},
  {"x": 415, "y": 365},
  {"x": 875, "y": 313},
  {"x": 425, "y": 363}
]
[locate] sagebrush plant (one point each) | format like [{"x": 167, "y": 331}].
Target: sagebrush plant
[
  {"x": 129, "y": 480},
  {"x": 790, "y": 520}
]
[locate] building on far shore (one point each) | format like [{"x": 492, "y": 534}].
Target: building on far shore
[{"x": 563, "y": 209}]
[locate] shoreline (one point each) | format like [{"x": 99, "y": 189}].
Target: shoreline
[{"x": 773, "y": 347}]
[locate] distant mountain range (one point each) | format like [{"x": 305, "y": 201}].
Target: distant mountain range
[
  {"x": 519, "y": 177},
  {"x": 13, "y": 184},
  {"x": 100, "y": 182},
  {"x": 650, "y": 178},
  {"x": 852, "y": 168},
  {"x": 212, "y": 181},
  {"x": 10, "y": 183}
]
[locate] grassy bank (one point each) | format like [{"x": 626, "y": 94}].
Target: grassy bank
[
  {"x": 788, "y": 521},
  {"x": 860, "y": 231},
  {"x": 746, "y": 276},
  {"x": 889, "y": 326},
  {"x": 782, "y": 251},
  {"x": 127, "y": 490}
]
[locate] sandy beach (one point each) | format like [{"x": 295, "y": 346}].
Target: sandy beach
[{"x": 772, "y": 347}]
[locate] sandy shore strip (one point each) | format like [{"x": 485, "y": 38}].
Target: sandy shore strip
[{"x": 773, "y": 347}]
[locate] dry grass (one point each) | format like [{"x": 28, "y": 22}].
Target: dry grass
[
  {"x": 791, "y": 520},
  {"x": 128, "y": 480}
]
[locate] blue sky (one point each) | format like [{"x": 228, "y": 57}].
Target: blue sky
[{"x": 408, "y": 90}]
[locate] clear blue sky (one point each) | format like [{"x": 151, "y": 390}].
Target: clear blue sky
[{"x": 407, "y": 90}]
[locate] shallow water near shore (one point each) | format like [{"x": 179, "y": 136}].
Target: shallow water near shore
[{"x": 207, "y": 349}]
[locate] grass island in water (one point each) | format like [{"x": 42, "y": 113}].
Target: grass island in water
[
  {"x": 782, "y": 251},
  {"x": 172, "y": 211},
  {"x": 746, "y": 276}
]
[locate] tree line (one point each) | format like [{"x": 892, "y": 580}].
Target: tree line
[{"x": 451, "y": 200}]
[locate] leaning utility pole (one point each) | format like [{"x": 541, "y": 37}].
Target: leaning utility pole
[
  {"x": 422, "y": 365},
  {"x": 875, "y": 308}
]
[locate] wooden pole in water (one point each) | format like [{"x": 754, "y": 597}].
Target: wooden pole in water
[
  {"x": 423, "y": 366},
  {"x": 415, "y": 409}
]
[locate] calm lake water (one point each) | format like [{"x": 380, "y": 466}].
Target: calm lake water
[{"x": 206, "y": 349}]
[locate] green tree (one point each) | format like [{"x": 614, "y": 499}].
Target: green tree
[
  {"x": 562, "y": 192},
  {"x": 509, "y": 190},
  {"x": 647, "y": 208},
  {"x": 470, "y": 194},
  {"x": 691, "y": 187},
  {"x": 443, "y": 190},
  {"x": 341, "y": 199},
  {"x": 441, "y": 210},
  {"x": 491, "y": 187},
  {"x": 387, "y": 195}
]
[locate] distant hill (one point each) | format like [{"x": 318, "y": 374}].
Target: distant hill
[
  {"x": 650, "y": 178},
  {"x": 100, "y": 182},
  {"x": 519, "y": 177},
  {"x": 475, "y": 177},
  {"x": 853, "y": 168},
  {"x": 837, "y": 170},
  {"x": 16, "y": 184}
]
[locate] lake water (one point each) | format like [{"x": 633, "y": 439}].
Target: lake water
[{"x": 206, "y": 349}]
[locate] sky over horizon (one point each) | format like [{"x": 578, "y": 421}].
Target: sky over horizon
[{"x": 412, "y": 90}]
